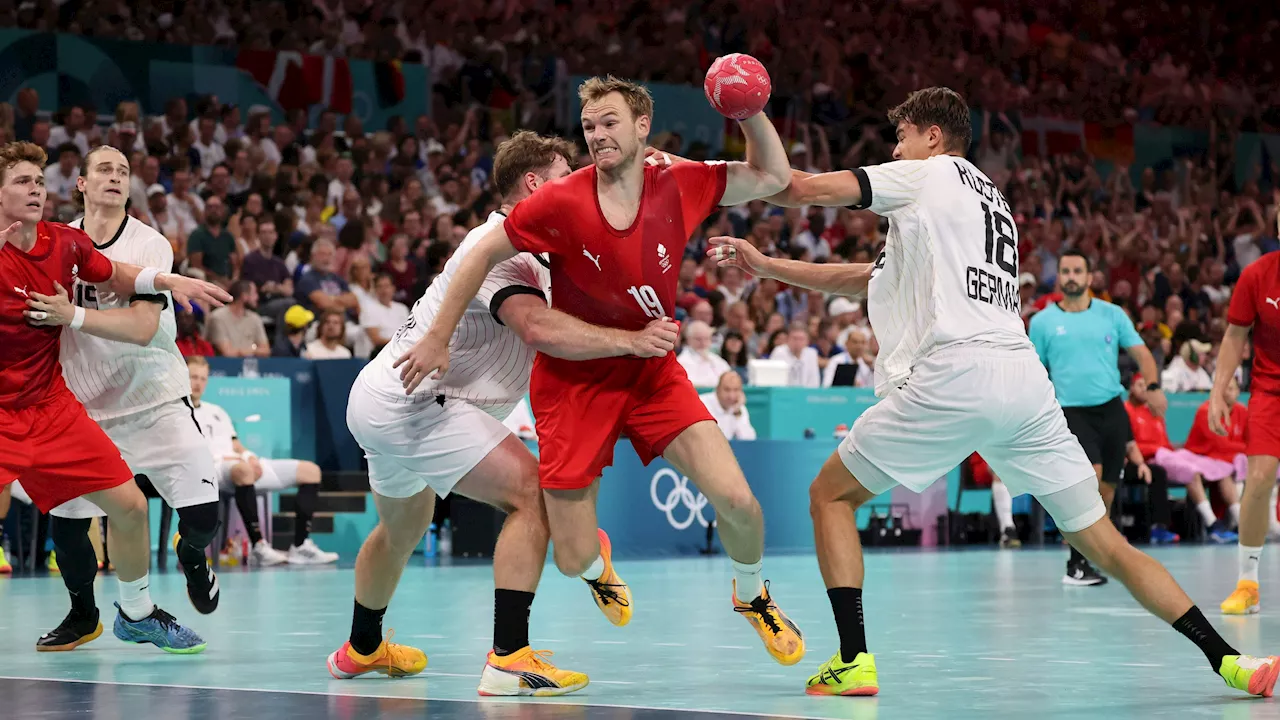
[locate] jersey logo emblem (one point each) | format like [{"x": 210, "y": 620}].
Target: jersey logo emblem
[
  {"x": 664, "y": 260},
  {"x": 75, "y": 270},
  {"x": 662, "y": 249},
  {"x": 21, "y": 291},
  {"x": 1062, "y": 330},
  {"x": 1274, "y": 302},
  {"x": 595, "y": 259}
]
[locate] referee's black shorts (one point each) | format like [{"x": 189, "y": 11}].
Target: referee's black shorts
[{"x": 1104, "y": 432}]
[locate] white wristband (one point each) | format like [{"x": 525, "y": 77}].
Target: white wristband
[
  {"x": 145, "y": 284},
  {"x": 77, "y": 319}
]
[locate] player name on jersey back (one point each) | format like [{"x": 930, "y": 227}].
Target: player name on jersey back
[{"x": 982, "y": 284}]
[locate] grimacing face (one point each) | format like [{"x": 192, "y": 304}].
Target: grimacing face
[{"x": 614, "y": 137}]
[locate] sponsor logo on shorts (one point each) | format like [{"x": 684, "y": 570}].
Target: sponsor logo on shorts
[{"x": 679, "y": 503}]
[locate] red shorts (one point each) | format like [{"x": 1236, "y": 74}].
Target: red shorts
[
  {"x": 57, "y": 452},
  {"x": 1262, "y": 434},
  {"x": 581, "y": 409}
]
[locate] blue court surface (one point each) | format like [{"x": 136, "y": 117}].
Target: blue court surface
[{"x": 964, "y": 634}]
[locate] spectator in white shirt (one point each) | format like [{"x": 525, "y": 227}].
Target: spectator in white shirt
[
  {"x": 382, "y": 315},
  {"x": 211, "y": 151},
  {"x": 1186, "y": 373},
  {"x": 854, "y": 354},
  {"x": 328, "y": 344},
  {"x": 802, "y": 358},
  {"x": 728, "y": 405},
  {"x": 71, "y": 131},
  {"x": 702, "y": 365},
  {"x": 60, "y": 177}
]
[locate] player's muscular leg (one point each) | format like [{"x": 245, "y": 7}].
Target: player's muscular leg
[
  {"x": 834, "y": 498},
  {"x": 702, "y": 454},
  {"x": 571, "y": 517},
  {"x": 507, "y": 479},
  {"x": 1147, "y": 580},
  {"x": 130, "y": 548},
  {"x": 308, "y": 473},
  {"x": 401, "y": 525},
  {"x": 1255, "y": 502}
]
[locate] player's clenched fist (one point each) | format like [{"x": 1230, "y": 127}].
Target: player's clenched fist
[
  {"x": 427, "y": 359},
  {"x": 657, "y": 339}
]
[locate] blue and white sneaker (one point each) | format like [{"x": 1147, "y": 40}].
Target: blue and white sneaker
[
  {"x": 160, "y": 629},
  {"x": 1221, "y": 535},
  {"x": 1163, "y": 536}
]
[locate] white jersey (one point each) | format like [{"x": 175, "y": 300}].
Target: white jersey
[
  {"x": 948, "y": 273},
  {"x": 217, "y": 428},
  {"x": 489, "y": 365},
  {"x": 113, "y": 379}
]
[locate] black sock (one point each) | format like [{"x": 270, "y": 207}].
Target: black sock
[
  {"x": 1076, "y": 557},
  {"x": 846, "y": 603},
  {"x": 304, "y": 508},
  {"x": 366, "y": 629},
  {"x": 510, "y": 620},
  {"x": 1198, "y": 630},
  {"x": 247, "y": 504}
]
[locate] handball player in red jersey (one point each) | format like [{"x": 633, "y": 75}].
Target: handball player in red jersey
[
  {"x": 47, "y": 440},
  {"x": 1255, "y": 304},
  {"x": 616, "y": 232}
]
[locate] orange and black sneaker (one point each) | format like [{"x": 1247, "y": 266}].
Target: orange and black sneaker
[
  {"x": 612, "y": 595},
  {"x": 781, "y": 637},
  {"x": 389, "y": 659},
  {"x": 75, "y": 630},
  {"x": 527, "y": 672}
]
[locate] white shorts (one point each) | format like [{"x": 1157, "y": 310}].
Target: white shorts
[
  {"x": 414, "y": 446},
  {"x": 276, "y": 474},
  {"x": 165, "y": 444},
  {"x": 999, "y": 403}
]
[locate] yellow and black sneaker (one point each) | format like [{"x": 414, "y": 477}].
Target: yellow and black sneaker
[{"x": 781, "y": 637}]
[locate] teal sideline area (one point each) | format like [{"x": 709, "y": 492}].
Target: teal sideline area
[{"x": 297, "y": 408}]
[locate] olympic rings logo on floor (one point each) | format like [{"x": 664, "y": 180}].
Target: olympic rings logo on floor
[{"x": 679, "y": 495}]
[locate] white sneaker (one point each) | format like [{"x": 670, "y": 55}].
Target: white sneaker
[
  {"x": 308, "y": 554},
  {"x": 264, "y": 555}
]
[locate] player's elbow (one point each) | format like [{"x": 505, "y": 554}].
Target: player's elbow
[{"x": 531, "y": 327}]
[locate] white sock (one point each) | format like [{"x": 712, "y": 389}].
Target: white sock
[
  {"x": 1249, "y": 557},
  {"x": 135, "y": 598},
  {"x": 1206, "y": 512},
  {"x": 749, "y": 585},
  {"x": 1003, "y": 503},
  {"x": 595, "y": 571},
  {"x": 1234, "y": 512}
]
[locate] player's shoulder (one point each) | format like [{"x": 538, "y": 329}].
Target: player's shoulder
[
  {"x": 60, "y": 231},
  {"x": 1264, "y": 266}
]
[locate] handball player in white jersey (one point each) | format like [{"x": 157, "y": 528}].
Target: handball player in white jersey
[
  {"x": 123, "y": 364},
  {"x": 955, "y": 374},
  {"x": 448, "y": 436}
]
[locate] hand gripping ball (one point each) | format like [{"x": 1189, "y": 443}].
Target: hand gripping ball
[{"x": 737, "y": 86}]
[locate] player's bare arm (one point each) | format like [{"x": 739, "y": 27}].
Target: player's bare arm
[
  {"x": 429, "y": 357},
  {"x": 848, "y": 279},
  {"x": 839, "y": 188},
  {"x": 1229, "y": 356},
  {"x": 132, "y": 280},
  {"x": 136, "y": 324},
  {"x": 1147, "y": 366},
  {"x": 767, "y": 170},
  {"x": 563, "y": 336}
]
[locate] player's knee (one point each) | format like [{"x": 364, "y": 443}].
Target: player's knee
[
  {"x": 573, "y": 563},
  {"x": 70, "y": 533},
  {"x": 737, "y": 506},
  {"x": 198, "y": 524},
  {"x": 308, "y": 473}
]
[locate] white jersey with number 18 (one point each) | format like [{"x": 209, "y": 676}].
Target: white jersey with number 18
[{"x": 948, "y": 273}]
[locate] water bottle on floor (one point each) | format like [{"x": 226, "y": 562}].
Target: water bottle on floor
[
  {"x": 429, "y": 543},
  {"x": 446, "y": 539}
]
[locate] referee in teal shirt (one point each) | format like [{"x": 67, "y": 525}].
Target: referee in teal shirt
[{"x": 1079, "y": 341}]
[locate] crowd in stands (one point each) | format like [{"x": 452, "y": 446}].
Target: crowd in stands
[{"x": 326, "y": 234}]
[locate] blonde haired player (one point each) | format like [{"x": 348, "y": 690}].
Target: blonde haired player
[{"x": 955, "y": 374}]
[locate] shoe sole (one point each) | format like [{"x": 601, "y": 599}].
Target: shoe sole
[
  {"x": 539, "y": 692},
  {"x": 855, "y": 692},
  {"x": 340, "y": 674},
  {"x": 1251, "y": 610},
  {"x": 72, "y": 646},
  {"x": 1267, "y": 681},
  {"x": 1070, "y": 581}
]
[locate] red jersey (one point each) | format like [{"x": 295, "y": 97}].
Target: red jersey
[
  {"x": 1256, "y": 302},
  {"x": 1203, "y": 441},
  {"x": 1148, "y": 430},
  {"x": 610, "y": 277},
  {"x": 29, "y": 367}
]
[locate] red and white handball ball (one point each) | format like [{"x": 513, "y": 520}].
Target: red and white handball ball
[{"x": 737, "y": 86}]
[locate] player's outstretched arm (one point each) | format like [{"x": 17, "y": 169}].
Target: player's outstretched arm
[
  {"x": 849, "y": 279},
  {"x": 840, "y": 188},
  {"x": 136, "y": 324},
  {"x": 563, "y": 336},
  {"x": 429, "y": 357},
  {"x": 132, "y": 280},
  {"x": 767, "y": 170},
  {"x": 1229, "y": 356}
]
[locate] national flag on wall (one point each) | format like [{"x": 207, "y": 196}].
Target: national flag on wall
[
  {"x": 297, "y": 81},
  {"x": 1110, "y": 142}
]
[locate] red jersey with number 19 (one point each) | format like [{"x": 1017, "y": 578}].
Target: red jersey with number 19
[
  {"x": 29, "y": 368},
  {"x": 1256, "y": 303},
  {"x": 621, "y": 279}
]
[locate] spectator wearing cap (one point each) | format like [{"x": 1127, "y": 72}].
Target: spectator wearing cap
[
  {"x": 703, "y": 366},
  {"x": 172, "y": 225},
  {"x": 291, "y": 338},
  {"x": 60, "y": 177},
  {"x": 728, "y": 405},
  {"x": 1186, "y": 372},
  {"x": 210, "y": 248},
  {"x": 236, "y": 329}
]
